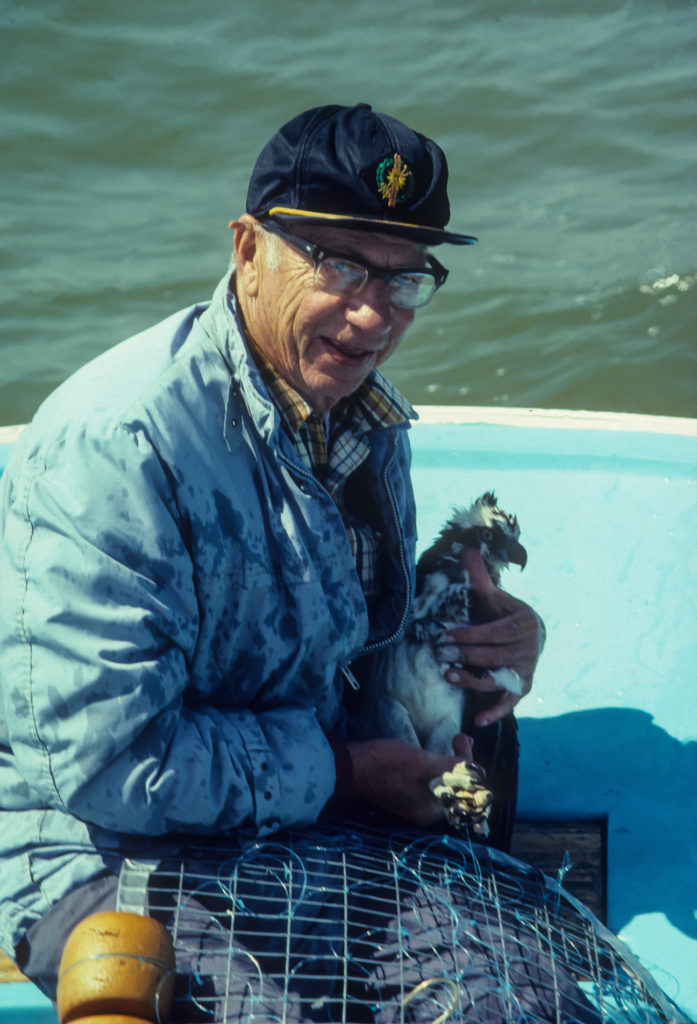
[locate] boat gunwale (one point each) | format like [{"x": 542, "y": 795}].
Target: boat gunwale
[{"x": 510, "y": 416}]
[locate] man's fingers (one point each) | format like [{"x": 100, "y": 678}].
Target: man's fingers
[
  {"x": 483, "y": 684},
  {"x": 473, "y": 562},
  {"x": 518, "y": 656},
  {"x": 459, "y": 677},
  {"x": 395, "y": 776},
  {"x": 499, "y": 711},
  {"x": 511, "y": 637},
  {"x": 462, "y": 747},
  {"x": 506, "y": 630}
]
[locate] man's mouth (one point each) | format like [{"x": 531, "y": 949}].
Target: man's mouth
[{"x": 352, "y": 354}]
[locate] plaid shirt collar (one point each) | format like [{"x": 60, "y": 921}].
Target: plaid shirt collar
[
  {"x": 334, "y": 447},
  {"x": 375, "y": 404}
]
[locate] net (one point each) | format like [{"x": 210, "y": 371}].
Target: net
[{"x": 357, "y": 924}]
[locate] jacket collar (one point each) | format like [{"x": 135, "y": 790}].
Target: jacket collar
[{"x": 223, "y": 324}]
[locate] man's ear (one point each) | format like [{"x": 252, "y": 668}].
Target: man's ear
[{"x": 247, "y": 254}]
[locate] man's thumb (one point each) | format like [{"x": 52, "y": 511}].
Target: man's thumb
[{"x": 473, "y": 562}]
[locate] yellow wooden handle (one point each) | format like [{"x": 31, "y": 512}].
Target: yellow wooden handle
[
  {"x": 111, "y": 1018},
  {"x": 116, "y": 968}
]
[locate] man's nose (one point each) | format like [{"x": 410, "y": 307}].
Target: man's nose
[{"x": 371, "y": 309}]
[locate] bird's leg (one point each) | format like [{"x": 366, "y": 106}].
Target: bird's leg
[{"x": 465, "y": 798}]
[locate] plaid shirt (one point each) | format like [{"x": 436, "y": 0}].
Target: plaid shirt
[{"x": 335, "y": 447}]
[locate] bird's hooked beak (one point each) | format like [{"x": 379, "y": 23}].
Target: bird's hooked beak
[{"x": 515, "y": 552}]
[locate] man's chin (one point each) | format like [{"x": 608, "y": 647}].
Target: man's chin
[{"x": 329, "y": 388}]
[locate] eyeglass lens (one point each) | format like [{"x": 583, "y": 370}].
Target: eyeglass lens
[
  {"x": 343, "y": 277},
  {"x": 407, "y": 289}
]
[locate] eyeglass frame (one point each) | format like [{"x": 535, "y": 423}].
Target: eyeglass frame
[{"x": 317, "y": 253}]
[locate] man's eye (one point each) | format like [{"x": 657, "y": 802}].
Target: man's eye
[
  {"x": 343, "y": 268},
  {"x": 341, "y": 275},
  {"x": 414, "y": 280}
]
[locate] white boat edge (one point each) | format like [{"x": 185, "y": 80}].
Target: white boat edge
[
  {"x": 564, "y": 419},
  {"x": 567, "y": 419}
]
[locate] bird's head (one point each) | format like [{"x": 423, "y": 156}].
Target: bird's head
[{"x": 489, "y": 529}]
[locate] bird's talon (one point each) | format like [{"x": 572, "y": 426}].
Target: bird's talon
[{"x": 465, "y": 799}]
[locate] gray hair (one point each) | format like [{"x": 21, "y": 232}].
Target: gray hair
[{"x": 272, "y": 248}]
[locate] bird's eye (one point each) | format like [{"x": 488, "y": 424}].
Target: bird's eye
[{"x": 487, "y": 535}]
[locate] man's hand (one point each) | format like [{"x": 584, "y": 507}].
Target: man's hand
[
  {"x": 511, "y": 636},
  {"x": 395, "y": 776}
]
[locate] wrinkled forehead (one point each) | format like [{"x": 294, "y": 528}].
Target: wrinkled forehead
[{"x": 371, "y": 246}]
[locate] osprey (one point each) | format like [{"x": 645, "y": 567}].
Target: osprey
[{"x": 412, "y": 701}]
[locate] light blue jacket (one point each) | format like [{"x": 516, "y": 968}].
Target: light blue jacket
[{"x": 177, "y": 600}]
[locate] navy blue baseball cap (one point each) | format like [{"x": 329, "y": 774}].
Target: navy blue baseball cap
[{"x": 354, "y": 168}]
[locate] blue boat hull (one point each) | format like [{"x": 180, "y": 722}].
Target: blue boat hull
[{"x": 608, "y": 511}]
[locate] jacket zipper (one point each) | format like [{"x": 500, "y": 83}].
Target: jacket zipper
[{"x": 380, "y": 644}]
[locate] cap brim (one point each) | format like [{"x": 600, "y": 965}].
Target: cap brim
[{"x": 403, "y": 229}]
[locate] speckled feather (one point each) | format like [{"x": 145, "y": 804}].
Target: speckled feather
[{"x": 415, "y": 702}]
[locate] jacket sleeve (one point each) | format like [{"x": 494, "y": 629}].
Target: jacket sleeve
[{"x": 98, "y": 622}]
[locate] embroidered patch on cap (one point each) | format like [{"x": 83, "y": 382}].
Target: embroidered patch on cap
[{"x": 395, "y": 181}]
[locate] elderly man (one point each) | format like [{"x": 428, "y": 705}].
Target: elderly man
[{"x": 206, "y": 526}]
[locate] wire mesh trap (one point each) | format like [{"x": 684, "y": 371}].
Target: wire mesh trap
[{"x": 354, "y": 924}]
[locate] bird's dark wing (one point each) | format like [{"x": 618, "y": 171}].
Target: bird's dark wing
[{"x": 496, "y": 750}]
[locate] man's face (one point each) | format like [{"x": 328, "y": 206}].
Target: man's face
[{"x": 325, "y": 345}]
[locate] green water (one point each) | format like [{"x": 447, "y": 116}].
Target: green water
[{"x": 128, "y": 132}]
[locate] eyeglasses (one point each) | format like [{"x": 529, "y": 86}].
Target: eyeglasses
[{"x": 407, "y": 287}]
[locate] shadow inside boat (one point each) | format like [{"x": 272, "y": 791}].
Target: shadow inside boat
[{"x": 617, "y": 762}]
